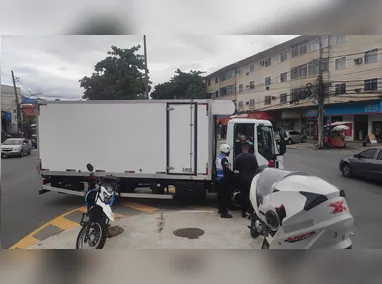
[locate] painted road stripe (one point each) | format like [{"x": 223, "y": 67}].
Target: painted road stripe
[
  {"x": 30, "y": 240},
  {"x": 139, "y": 207}
]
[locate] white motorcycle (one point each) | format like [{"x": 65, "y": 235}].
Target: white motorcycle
[
  {"x": 294, "y": 210},
  {"x": 99, "y": 199}
]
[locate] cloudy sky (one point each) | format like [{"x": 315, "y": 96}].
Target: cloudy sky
[{"x": 52, "y": 65}]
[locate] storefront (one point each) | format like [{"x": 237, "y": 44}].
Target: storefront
[
  {"x": 291, "y": 120},
  {"x": 363, "y": 118}
]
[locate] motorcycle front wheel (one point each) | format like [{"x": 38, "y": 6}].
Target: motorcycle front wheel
[{"x": 92, "y": 236}]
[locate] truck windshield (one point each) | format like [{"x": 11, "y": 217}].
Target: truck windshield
[{"x": 265, "y": 142}]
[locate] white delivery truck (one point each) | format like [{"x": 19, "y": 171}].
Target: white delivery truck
[{"x": 159, "y": 148}]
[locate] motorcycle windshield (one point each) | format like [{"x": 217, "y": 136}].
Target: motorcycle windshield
[{"x": 267, "y": 181}]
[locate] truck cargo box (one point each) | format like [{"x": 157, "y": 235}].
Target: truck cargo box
[{"x": 142, "y": 139}]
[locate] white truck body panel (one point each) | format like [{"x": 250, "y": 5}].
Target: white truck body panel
[{"x": 141, "y": 139}]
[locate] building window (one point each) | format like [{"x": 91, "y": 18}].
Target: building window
[
  {"x": 283, "y": 76},
  {"x": 241, "y": 106},
  {"x": 283, "y": 98},
  {"x": 268, "y": 62},
  {"x": 294, "y": 51},
  {"x": 251, "y": 67},
  {"x": 227, "y": 75},
  {"x": 371, "y": 85},
  {"x": 299, "y": 94},
  {"x": 371, "y": 55},
  {"x": 252, "y": 103},
  {"x": 267, "y": 81},
  {"x": 313, "y": 68},
  {"x": 339, "y": 39},
  {"x": 209, "y": 82},
  {"x": 240, "y": 87},
  {"x": 299, "y": 72},
  {"x": 325, "y": 65},
  {"x": 340, "y": 63},
  {"x": 303, "y": 49},
  {"x": 283, "y": 56},
  {"x": 227, "y": 90},
  {"x": 217, "y": 94},
  {"x": 238, "y": 71},
  {"x": 268, "y": 100},
  {"x": 340, "y": 89},
  {"x": 252, "y": 85},
  {"x": 313, "y": 45},
  {"x": 216, "y": 80}
]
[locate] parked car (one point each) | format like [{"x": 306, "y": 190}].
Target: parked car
[
  {"x": 366, "y": 164},
  {"x": 15, "y": 147},
  {"x": 293, "y": 136}
]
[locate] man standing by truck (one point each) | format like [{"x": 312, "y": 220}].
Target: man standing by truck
[
  {"x": 225, "y": 179},
  {"x": 246, "y": 164}
]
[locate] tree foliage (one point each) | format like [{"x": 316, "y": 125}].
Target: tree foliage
[
  {"x": 120, "y": 76},
  {"x": 182, "y": 86}
]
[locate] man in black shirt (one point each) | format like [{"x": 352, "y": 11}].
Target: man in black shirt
[{"x": 246, "y": 164}]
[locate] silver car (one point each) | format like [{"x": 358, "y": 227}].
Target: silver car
[
  {"x": 293, "y": 136},
  {"x": 15, "y": 147}
]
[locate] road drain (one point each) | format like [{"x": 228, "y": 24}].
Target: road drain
[{"x": 189, "y": 233}]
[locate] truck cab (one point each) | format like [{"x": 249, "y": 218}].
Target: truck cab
[{"x": 261, "y": 136}]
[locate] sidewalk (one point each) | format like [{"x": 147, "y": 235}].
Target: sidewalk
[{"x": 156, "y": 231}]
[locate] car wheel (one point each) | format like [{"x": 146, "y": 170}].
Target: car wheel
[
  {"x": 346, "y": 170},
  {"x": 21, "y": 154},
  {"x": 289, "y": 141},
  {"x": 29, "y": 152},
  {"x": 303, "y": 140}
]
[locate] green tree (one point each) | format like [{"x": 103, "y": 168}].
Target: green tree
[
  {"x": 120, "y": 76},
  {"x": 182, "y": 85}
]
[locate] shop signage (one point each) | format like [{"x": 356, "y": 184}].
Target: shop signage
[
  {"x": 8, "y": 116},
  {"x": 346, "y": 109}
]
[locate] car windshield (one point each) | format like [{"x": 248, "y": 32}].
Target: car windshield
[{"x": 12, "y": 142}]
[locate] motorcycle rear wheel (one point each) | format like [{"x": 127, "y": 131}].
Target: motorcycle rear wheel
[{"x": 100, "y": 235}]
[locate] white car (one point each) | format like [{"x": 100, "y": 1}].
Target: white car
[{"x": 15, "y": 147}]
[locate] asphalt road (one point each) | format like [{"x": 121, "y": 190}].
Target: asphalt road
[
  {"x": 23, "y": 210},
  {"x": 364, "y": 198}
]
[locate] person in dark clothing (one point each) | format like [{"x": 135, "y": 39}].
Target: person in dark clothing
[
  {"x": 246, "y": 164},
  {"x": 225, "y": 179}
]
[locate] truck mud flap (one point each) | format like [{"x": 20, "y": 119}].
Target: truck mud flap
[{"x": 47, "y": 188}]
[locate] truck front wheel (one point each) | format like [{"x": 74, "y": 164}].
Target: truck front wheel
[{"x": 235, "y": 199}]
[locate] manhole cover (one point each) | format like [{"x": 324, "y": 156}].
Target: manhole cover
[{"x": 189, "y": 233}]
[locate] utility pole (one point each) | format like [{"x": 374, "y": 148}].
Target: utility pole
[
  {"x": 17, "y": 105},
  {"x": 146, "y": 69},
  {"x": 321, "y": 96}
]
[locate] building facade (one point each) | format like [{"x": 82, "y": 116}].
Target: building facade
[
  {"x": 9, "y": 108},
  {"x": 273, "y": 83}
]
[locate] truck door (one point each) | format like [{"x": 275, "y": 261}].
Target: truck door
[{"x": 181, "y": 138}]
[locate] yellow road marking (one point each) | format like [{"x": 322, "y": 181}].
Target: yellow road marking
[
  {"x": 29, "y": 240},
  {"x": 139, "y": 207},
  {"x": 64, "y": 223},
  {"x": 26, "y": 242}
]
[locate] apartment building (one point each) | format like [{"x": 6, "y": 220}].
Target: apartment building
[{"x": 273, "y": 84}]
